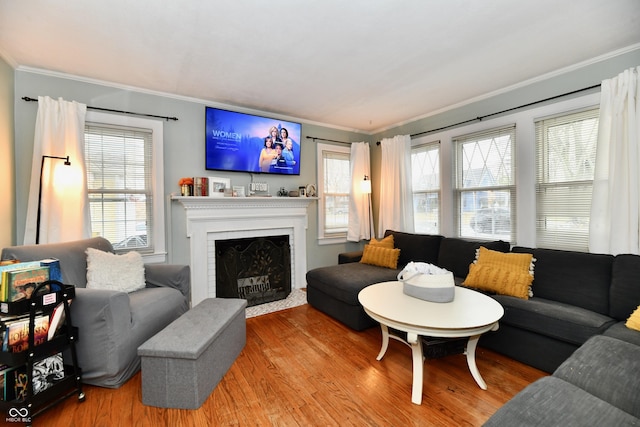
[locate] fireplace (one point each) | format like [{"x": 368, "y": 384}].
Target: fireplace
[
  {"x": 211, "y": 219},
  {"x": 255, "y": 269}
]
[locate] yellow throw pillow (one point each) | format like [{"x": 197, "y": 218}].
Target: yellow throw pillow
[
  {"x": 501, "y": 273},
  {"x": 633, "y": 322},
  {"x": 382, "y": 257},
  {"x": 387, "y": 242},
  {"x": 499, "y": 281},
  {"x": 511, "y": 260}
]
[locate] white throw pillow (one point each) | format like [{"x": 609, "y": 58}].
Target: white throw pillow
[{"x": 114, "y": 272}]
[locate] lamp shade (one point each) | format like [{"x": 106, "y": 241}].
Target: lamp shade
[{"x": 365, "y": 185}]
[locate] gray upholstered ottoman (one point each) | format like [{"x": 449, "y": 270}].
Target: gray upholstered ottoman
[{"x": 182, "y": 364}]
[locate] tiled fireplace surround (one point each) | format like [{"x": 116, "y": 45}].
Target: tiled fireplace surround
[{"x": 220, "y": 218}]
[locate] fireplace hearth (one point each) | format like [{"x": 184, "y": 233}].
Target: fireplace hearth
[{"x": 255, "y": 269}]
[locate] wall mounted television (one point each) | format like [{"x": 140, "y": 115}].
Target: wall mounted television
[{"x": 242, "y": 142}]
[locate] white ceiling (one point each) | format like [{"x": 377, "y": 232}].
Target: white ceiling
[{"x": 357, "y": 64}]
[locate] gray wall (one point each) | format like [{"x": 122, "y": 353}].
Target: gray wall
[
  {"x": 7, "y": 208},
  {"x": 576, "y": 79},
  {"x": 579, "y": 78},
  {"x": 184, "y": 140},
  {"x": 183, "y": 151}
]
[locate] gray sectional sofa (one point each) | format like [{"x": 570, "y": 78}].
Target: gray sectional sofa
[
  {"x": 112, "y": 324},
  {"x": 334, "y": 289},
  {"x": 598, "y": 385},
  {"x": 576, "y": 296}
]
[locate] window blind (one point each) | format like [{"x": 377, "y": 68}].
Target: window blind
[
  {"x": 425, "y": 182},
  {"x": 119, "y": 178},
  {"x": 335, "y": 195},
  {"x": 566, "y": 152}
]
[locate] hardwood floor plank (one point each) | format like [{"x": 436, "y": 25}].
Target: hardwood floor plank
[{"x": 303, "y": 368}]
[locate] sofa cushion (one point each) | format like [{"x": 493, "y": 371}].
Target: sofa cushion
[
  {"x": 416, "y": 247},
  {"x": 344, "y": 281},
  {"x": 347, "y": 257},
  {"x": 457, "y": 254},
  {"x": 550, "y": 318},
  {"x": 625, "y": 286},
  {"x": 351, "y": 315},
  {"x": 608, "y": 369},
  {"x": 380, "y": 256},
  {"x": 552, "y": 401},
  {"x": 501, "y": 273},
  {"x": 620, "y": 331},
  {"x": 576, "y": 278}
]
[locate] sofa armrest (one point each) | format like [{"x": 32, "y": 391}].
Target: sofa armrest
[
  {"x": 347, "y": 257},
  {"x": 104, "y": 320},
  {"x": 169, "y": 275},
  {"x": 93, "y": 306}
]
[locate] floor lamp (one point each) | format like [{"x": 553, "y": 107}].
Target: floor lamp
[
  {"x": 365, "y": 187},
  {"x": 67, "y": 163}
]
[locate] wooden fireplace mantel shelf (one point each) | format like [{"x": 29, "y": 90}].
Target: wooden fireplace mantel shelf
[{"x": 200, "y": 202}]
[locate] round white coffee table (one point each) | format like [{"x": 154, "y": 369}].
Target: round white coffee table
[{"x": 470, "y": 314}]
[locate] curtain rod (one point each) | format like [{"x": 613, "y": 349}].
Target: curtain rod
[
  {"x": 29, "y": 99},
  {"x": 323, "y": 139},
  {"x": 480, "y": 118}
]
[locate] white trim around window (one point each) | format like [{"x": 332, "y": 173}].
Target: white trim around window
[
  {"x": 159, "y": 254},
  {"x": 525, "y": 157},
  {"x": 322, "y": 149}
]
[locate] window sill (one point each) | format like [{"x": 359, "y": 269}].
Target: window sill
[
  {"x": 155, "y": 258},
  {"x": 332, "y": 240}
]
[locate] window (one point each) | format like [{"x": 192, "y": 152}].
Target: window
[
  {"x": 485, "y": 191},
  {"x": 566, "y": 152},
  {"x": 425, "y": 170},
  {"x": 123, "y": 156},
  {"x": 334, "y": 184}
]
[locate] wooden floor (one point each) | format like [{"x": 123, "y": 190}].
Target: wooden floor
[{"x": 302, "y": 368}]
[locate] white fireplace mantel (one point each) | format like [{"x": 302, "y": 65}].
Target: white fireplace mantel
[{"x": 218, "y": 218}]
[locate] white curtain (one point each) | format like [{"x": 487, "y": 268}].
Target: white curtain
[
  {"x": 64, "y": 205},
  {"x": 396, "y": 198},
  {"x": 360, "y": 223},
  {"x": 615, "y": 206}
]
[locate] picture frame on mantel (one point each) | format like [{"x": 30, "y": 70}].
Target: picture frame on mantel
[
  {"x": 238, "y": 191},
  {"x": 218, "y": 185}
]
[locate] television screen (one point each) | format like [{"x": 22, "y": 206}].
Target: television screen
[{"x": 247, "y": 143}]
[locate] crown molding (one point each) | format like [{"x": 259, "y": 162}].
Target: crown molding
[
  {"x": 207, "y": 102},
  {"x": 216, "y": 104}
]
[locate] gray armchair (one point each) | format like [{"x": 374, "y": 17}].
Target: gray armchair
[{"x": 112, "y": 324}]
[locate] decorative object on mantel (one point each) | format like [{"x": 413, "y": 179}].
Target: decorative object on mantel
[
  {"x": 238, "y": 191},
  {"x": 293, "y": 193},
  {"x": 311, "y": 190},
  {"x": 282, "y": 192},
  {"x": 186, "y": 186},
  {"x": 201, "y": 186},
  {"x": 258, "y": 189},
  {"x": 218, "y": 186}
]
